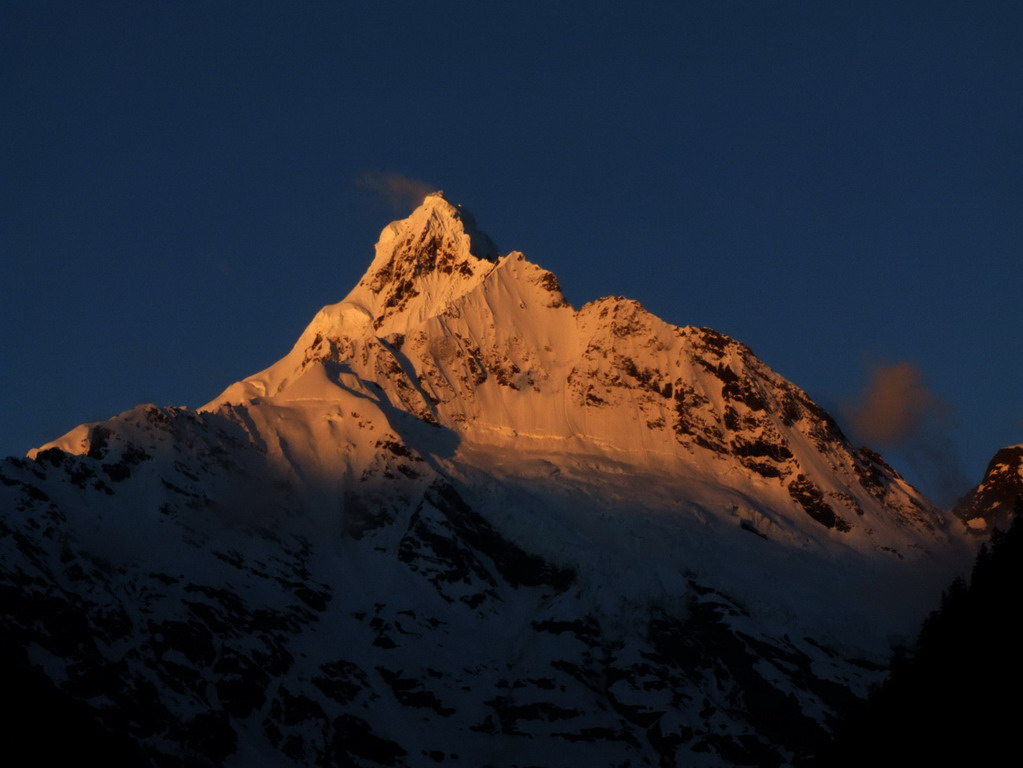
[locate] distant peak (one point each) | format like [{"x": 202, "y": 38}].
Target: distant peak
[{"x": 993, "y": 501}]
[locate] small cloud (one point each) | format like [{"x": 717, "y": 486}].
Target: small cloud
[
  {"x": 898, "y": 412},
  {"x": 401, "y": 193},
  {"x": 893, "y": 406}
]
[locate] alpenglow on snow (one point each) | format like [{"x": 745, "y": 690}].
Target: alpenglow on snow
[{"x": 462, "y": 522}]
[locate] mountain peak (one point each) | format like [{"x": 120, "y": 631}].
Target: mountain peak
[
  {"x": 491, "y": 351},
  {"x": 993, "y": 502},
  {"x": 437, "y": 205},
  {"x": 437, "y": 251},
  {"x": 436, "y": 228}
]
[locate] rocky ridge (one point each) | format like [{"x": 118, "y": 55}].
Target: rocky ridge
[{"x": 992, "y": 503}]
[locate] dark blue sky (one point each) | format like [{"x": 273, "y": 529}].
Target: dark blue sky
[{"x": 839, "y": 185}]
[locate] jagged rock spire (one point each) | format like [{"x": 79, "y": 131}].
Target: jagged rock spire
[{"x": 436, "y": 250}]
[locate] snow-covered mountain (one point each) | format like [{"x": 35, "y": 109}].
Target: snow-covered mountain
[
  {"x": 462, "y": 522},
  {"x": 992, "y": 503}
]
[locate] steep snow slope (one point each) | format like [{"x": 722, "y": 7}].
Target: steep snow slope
[{"x": 462, "y": 522}]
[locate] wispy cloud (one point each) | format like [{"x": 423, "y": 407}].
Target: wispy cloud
[
  {"x": 401, "y": 193},
  {"x": 896, "y": 411},
  {"x": 894, "y": 404}
]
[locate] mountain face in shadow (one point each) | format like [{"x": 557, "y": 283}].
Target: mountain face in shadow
[
  {"x": 952, "y": 697},
  {"x": 992, "y": 503}
]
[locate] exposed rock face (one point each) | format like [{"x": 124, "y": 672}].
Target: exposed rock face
[
  {"x": 463, "y": 523},
  {"x": 992, "y": 503}
]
